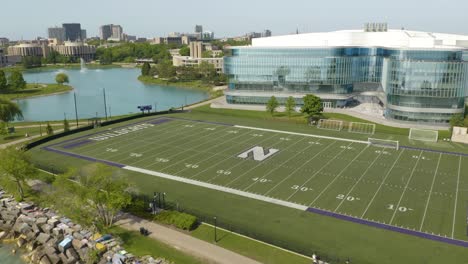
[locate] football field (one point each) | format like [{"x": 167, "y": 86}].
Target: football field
[{"x": 415, "y": 191}]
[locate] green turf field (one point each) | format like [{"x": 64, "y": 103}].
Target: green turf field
[{"x": 414, "y": 189}]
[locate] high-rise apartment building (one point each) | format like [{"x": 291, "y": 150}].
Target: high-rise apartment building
[
  {"x": 198, "y": 29},
  {"x": 57, "y": 33},
  {"x": 72, "y": 31},
  {"x": 83, "y": 34},
  {"x": 110, "y": 31}
]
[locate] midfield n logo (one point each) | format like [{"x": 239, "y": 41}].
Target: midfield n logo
[{"x": 257, "y": 153}]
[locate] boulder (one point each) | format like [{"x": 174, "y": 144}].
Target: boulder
[
  {"x": 43, "y": 238},
  {"x": 22, "y": 228},
  {"x": 41, "y": 221},
  {"x": 44, "y": 260},
  {"x": 53, "y": 222},
  {"x": 77, "y": 244},
  {"x": 54, "y": 258},
  {"x": 21, "y": 242},
  {"x": 71, "y": 253},
  {"x": 46, "y": 228}
]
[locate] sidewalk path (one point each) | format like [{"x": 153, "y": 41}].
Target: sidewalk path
[{"x": 184, "y": 242}]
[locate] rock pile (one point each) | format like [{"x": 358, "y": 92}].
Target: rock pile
[{"x": 52, "y": 239}]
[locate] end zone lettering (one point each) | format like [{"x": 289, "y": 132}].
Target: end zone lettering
[{"x": 120, "y": 132}]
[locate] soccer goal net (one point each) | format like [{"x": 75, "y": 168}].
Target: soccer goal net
[
  {"x": 384, "y": 143},
  {"x": 361, "y": 128},
  {"x": 423, "y": 134},
  {"x": 330, "y": 124}
]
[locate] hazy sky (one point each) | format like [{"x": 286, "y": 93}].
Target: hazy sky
[{"x": 28, "y": 19}]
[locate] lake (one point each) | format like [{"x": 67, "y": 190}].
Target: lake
[
  {"x": 6, "y": 256},
  {"x": 123, "y": 94}
]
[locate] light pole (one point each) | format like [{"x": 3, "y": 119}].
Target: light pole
[
  {"x": 164, "y": 201},
  {"x": 215, "y": 237}
]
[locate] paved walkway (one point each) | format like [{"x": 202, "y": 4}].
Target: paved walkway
[{"x": 183, "y": 242}]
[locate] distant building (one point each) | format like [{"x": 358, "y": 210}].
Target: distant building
[
  {"x": 83, "y": 35},
  {"x": 198, "y": 28},
  {"x": 207, "y": 35},
  {"x": 76, "y": 50},
  {"x": 72, "y": 31},
  {"x": 8, "y": 60},
  {"x": 186, "y": 39},
  {"x": 114, "y": 32},
  {"x": 196, "y": 57},
  {"x": 26, "y": 49},
  {"x": 4, "y": 41},
  {"x": 57, "y": 33},
  {"x": 266, "y": 33},
  {"x": 168, "y": 40},
  {"x": 105, "y": 32},
  {"x": 129, "y": 37}
]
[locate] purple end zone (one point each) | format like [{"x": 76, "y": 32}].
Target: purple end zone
[
  {"x": 110, "y": 163},
  {"x": 389, "y": 227},
  {"x": 160, "y": 121},
  {"x": 77, "y": 144}
]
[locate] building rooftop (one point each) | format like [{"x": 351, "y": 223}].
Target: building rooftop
[{"x": 405, "y": 39}]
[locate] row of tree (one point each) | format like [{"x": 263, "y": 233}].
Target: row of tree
[
  {"x": 312, "y": 106},
  {"x": 205, "y": 72},
  {"x": 14, "y": 81},
  {"x": 128, "y": 52}
]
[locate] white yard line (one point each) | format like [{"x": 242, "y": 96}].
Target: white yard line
[
  {"x": 259, "y": 164},
  {"x": 336, "y": 177},
  {"x": 300, "y": 167},
  {"x": 303, "y": 134},
  {"x": 382, "y": 183},
  {"x": 316, "y": 173},
  {"x": 430, "y": 192},
  {"x": 229, "y": 157},
  {"x": 282, "y": 163},
  {"x": 406, "y": 187},
  {"x": 358, "y": 181},
  {"x": 217, "y": 188},
  {"x": 456, "y": 198}
]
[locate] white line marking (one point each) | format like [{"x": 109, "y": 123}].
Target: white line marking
[
  {"x": 336, "y": 177},
  {"x": 358, "y": 181},
  {"x": 406, "y": 187},
  {"x": 303, "y": 134},
  {"x": 217, "y": 188},
  {"x": 430, "y": 192},
  {"x": 382, "y": 183},
  {"x": 298, "y": 168},
  {"x": 456, "y": 197}
]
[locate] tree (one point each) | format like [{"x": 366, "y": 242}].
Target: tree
[
  {"x": 165, "y": 69},
  {"x": 49, "y": 129},
  {"x": 15, "y": 169},
  {"x": 457, "y": 120},
  {"x": 61, "y": 78},
  {"x": 272, "y": 104},
  {"x": 312, "y": 106},
  {"x": 290, "y": 105},
  {"x": 3, "y": 128},
  {"x": 145, "y": 70},
  {"x": 3, "y": 81},
  {"x": 16, "y": 80},
  {"x": 95, "y": 192},
  {"x": 31, "y": 62},
  {"x": 9, "y": 111},
  {"x": 66, "y": 125},
  {"x": 184, "y": 51}
]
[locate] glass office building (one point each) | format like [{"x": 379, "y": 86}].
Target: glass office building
[{"x": 414, "y": 76}]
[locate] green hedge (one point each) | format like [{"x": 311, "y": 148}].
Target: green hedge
[{"x": 180, "y": 220}]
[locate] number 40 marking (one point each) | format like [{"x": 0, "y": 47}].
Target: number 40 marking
[{"x": 401, "y": 208}]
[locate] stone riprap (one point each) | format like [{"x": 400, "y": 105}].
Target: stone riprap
[{"x": 48, "y": 238}]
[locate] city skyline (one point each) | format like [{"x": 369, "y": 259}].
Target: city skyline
[{"x": 306, "y": 16}]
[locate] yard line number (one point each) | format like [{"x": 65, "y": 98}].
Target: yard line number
[
  {"x": 191, "y": 166},
  {"x": 163, "y": 160},
  {"x": 223, "y": 172},
  {"x": 347, "y": 198},
  {"x": 401, "y": 208},
  {"x": 302, "y": 189},
  {"x": 260, "y": 180}
]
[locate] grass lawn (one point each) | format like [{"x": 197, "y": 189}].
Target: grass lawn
[
  {"x": 140, "y": 246},
  {"x": 33, "y": 90},
  {"x": 20, "y": 133},
  {"x": 196, "y": 150},
  {"x": 247, "y": 247}
]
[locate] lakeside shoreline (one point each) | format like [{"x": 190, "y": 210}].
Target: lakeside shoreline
[{"x": 55, "y": 89}]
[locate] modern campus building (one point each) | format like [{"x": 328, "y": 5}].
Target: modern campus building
[
  {"x": 413, "y": 76},
  {"x": 75, "y": 50}
]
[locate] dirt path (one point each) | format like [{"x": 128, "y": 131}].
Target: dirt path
[{"x": 184, "y": 242}]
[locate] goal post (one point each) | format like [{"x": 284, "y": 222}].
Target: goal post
[
  {"x": 361, "y": 128},
  {"x": 330, "y": 124},
  {"x": 423, "y": 135},
  {"x": 385, "y": 143}
]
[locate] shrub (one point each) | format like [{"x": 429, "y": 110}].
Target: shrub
[{"x": 180, "y": 220}]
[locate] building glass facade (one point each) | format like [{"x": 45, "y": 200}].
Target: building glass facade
[{"x": 419, "y": 85}]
